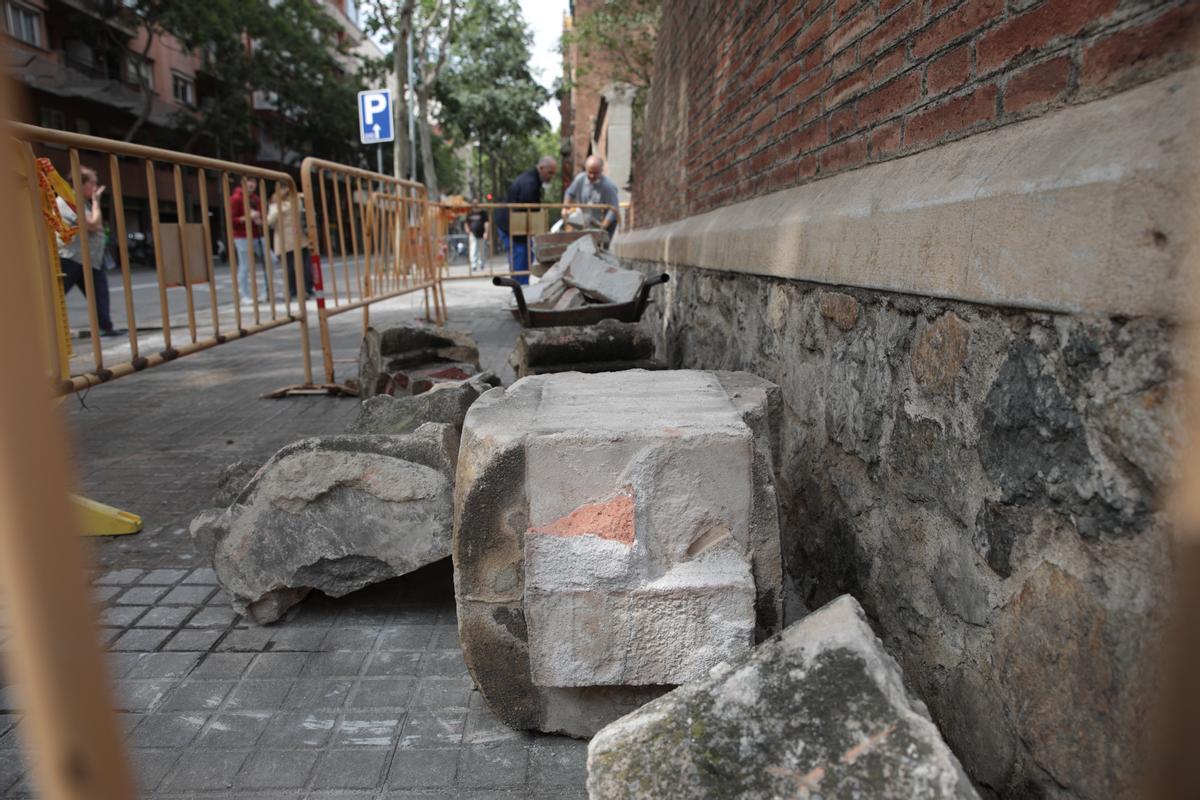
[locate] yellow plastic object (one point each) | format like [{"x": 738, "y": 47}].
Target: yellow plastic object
[{"x": 98, "y": 519}]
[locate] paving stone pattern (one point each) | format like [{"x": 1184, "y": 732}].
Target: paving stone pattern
[{"x": 363, "y": 697}]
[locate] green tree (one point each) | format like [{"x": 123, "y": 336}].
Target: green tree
[
  {"x": 622, "y": 34},
  {"x": 488, "y": 96}
]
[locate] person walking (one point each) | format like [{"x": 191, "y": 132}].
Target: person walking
[
  {"x": 70, "y": 255},
  {"x": 283, "y": 240},
  {"x": 593, "y": 187},
  {"x": 239, "y": 210},
  {"x": 527, "y": 188},
  {"x": 477, "y": 229}
]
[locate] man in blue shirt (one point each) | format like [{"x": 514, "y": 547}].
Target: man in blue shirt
[
  {"x": 527, "y": 188},
  {"x": 593, "y": 187}
]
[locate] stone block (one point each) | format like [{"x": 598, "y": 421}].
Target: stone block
[
  {"x": 607, "y": 346},
  {"x": 612, "y": 539},
  {"x": 818, "y": 711},
  {"x": 387, "y": 358},
  {"x": 446, "y": 403},
  {"x": 335, "y": 513}
]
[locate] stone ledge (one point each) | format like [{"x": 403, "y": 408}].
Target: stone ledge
[{"x": 1087, "y": 210}]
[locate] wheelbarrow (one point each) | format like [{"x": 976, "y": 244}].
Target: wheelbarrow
[{"x": 590, "y": 314}]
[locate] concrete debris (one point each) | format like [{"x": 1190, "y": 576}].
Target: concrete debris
[
  {"x": 615, "y": 534},
  {"x": 818, "y": 711},
  {"x": 445, "y": 402},
  {"x": 607, "y": 346},
  {"x": 584, "y": 274},
  {"x": 334, "y": 513},
  {"x": 409, "y": 359}
]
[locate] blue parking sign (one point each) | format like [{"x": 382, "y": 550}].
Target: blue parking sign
[{"x": 375, "y": 116}]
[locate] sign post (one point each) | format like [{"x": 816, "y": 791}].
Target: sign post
[{"x": 375, "y": 119}]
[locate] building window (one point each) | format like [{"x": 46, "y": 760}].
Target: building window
[
  {"x": 24, "y": 23},
  {"x": 139, "y": 72},
  {"x": 184, "y": 89},
  {"x": 53, "y": 118}
]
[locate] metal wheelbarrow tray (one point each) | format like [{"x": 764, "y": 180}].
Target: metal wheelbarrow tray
[{"x": 590, "y": 314}]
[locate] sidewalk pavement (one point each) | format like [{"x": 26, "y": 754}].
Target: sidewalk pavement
[{"x": 362, "y": 697}]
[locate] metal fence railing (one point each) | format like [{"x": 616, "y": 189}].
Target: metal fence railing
[
  {"x": 167, "y": 223},
  {"x": 524, "y": 220},
  {"x": 372, "y": 237}
]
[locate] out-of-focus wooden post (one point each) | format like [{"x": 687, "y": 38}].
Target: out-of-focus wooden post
[{"x": 53, "y": 652}]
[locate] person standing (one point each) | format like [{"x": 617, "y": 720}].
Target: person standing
[
  {"x": 70, "y": 255},
  {"x": 527, "y": 188},
  {"x": 593, "y": 187},
  {"x": 477, "y": 229},
  {"x": 279, "y": 219},
  {"x": 239, "y": 210}
]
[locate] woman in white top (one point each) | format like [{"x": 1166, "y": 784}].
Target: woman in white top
[{"x": 279, "y": 219}]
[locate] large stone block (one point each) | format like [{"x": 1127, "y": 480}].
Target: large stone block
[
  {"x": 819, "y": 711},
  {"x": 408, "y": 359},
  {"x": 607, "y": 346},
  {"x": 334, "y": 513},
  {"x": 614, "y": 534},
  {"x": 445, "y": 402}
]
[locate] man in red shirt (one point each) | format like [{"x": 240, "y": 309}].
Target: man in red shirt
[{"x": 241, "y": 243}]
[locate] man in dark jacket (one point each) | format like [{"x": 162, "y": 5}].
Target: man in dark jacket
[{"x": 527, "y": 188}]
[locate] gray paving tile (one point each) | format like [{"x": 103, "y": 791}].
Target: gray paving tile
[
  {"x": 558, "y": 762},
  {"x": 433, "y": 727},
  {"x": 289, "y": 729},
  {"x": 164, "y": 617},
  {"x": 493, "y": 765},
  {"x": 305, "y": 639},
  {"x": 406, "y": 637},
  {"x": 233, "y": 731},
  {"x": 445, "y": 663},
  {"x": 351, "y": 638},
  {"x": 441, "y": 693},
  {"x": 383, "y": 692},
  {"x": 188, "y": 595},
  {"x": 206, "y": 770},
  {"x": 213, "y": 617},
  {"x": 121, "y": 616},
  {"x": 319, "y": 693},
  {"x": 168, "y": 729},
  {"x": 119, "y": 577},
  {"x": 414, "y": 768},
  {"x": 346, "y": 663},
  {"x": 199, "y": 640},
  {"x": 143, "y": 695},
  {"x": 198, "y": 695},
  {"x": 278, "y": 769},
  {"x": 277, "y": 665},
  {"x": 394, "y": 663},
  {"x": 256, "y": 695},
  {"x": 141, "y": 639},
  {"x": 358, "y": 768},
  {"x": 163, "y": 577},
  {"x": 102, "y": 594},
  {"x": 368, "y": 729},
  {"x": 203, "y": 575},
  {"x": 223, "y": 665},
  {"x": 141, "y": 595},
  {"x": 164, "y": 665},
  {"x": 151, "y": 766},
  {"x": 252, "y": 640}
]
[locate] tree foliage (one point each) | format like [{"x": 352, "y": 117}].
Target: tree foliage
[
  {"x": 283, "y": 51},
  {"x": 621, "y": 34},
  {"x": 487, "y": 94}
]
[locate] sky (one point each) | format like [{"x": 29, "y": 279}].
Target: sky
[{"x": 545, "y": 20}]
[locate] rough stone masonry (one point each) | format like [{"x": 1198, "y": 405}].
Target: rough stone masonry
[{"x": 615, "y": 534}]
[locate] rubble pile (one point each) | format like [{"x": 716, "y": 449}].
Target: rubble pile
[{"x": 583, "y": 275}]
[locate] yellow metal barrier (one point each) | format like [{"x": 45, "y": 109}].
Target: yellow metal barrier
[
  {"x": 525, "y": 219},
  {"x": 371, "y": 238},
  {"x": 182, "y": 239}
]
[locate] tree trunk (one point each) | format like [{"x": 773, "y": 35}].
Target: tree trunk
[
  {"x": 400, "y": 145},
  {"x": 147, "y": 93},
  {"x": 431, "y": 178}
]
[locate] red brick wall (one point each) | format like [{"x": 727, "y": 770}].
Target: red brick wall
[{"x": 752, "y": 96}]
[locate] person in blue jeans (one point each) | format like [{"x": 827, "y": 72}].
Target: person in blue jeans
[{"x": 527, "y": 188}]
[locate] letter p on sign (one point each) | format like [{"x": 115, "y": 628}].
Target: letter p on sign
[{"x": 375, "y": 116}]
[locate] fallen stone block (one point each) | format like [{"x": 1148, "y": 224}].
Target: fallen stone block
[
  {"x": 445, "y": 403},
  {"x": 607, "y": 346},
  {"x": 334, "y": 513},
  {"x": 603, "y": 282},
  {"x": 818, "y": 711},
  {"x": 386, "y": 358},
  {"x": 615, "y": 535}
]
